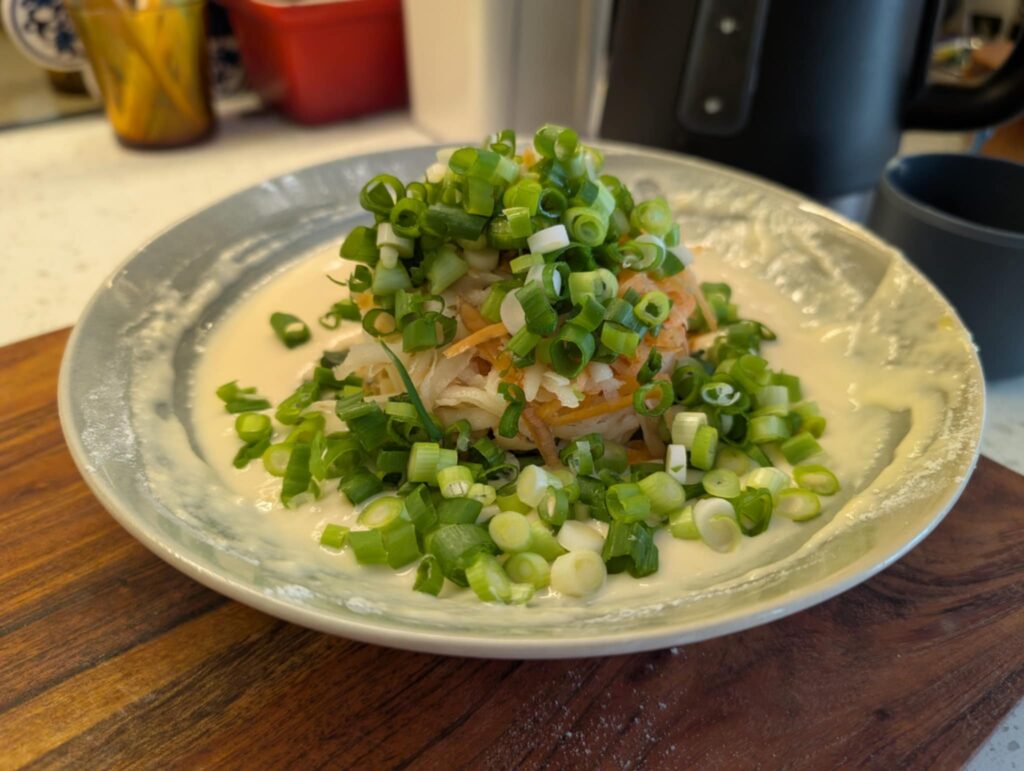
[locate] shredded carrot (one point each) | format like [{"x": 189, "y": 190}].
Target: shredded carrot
[
  {"x": 473, "y": 340},
  {"x": 548, "y": 409},
  {"x": 541, "y": 436},
  {"x": 471, "y": 317},
  {"x": 585, "y": 413},
  {"x": 637, "y": 452}
]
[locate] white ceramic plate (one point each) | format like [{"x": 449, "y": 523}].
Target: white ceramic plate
[{"x": 141, "y": 331}]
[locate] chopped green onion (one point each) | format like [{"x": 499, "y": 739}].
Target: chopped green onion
[
  {"x": 578, "y": 573},
  {"x": 379, "y": 323},
  {"x": 447, "y": 221},
  {"x": 380, "y": 194},
  {"x": 401, "y": 544},
  {"x": 458, "y": 511},
  {"x": 387, "y": 281},
  {"x": 368, "y": 546},
  {"x": 541, "y": 318},
  {"x": 767, "y": 478},
  {"x": 721, "y": 483},
  {"x": 381, "y": 512},
  {"x": 629, "y": 546},
  {"x": 772, "y": 400},
  {"x": 798, "y": 505},
  {"x": 810, "y": 418},
  {"x": 792, "y": 384},
  {"x": 620, "y": 340},
  {"x": 510, "y": 530},
  {"x": 659, "y": 392},
  {"x": 715, "y": 520},
  {"x": 525, "y": 193},
  {"x": 601, "y": 285},
  {"x": 544, "y": 543},
  {"x": 589, "y": 313},
  {"x": 817, "y": 479},
  {"x": 420, "y": 509},
  {"x": 508, "y": 500},
  {"x": 767, "y": 428},
  {"x": 252, "y": 427},
  {"x": 360, "y": 486},
  {"x": 664, "y": 492},
  {"x": 429, "y": 578},
  {"x": 360, "y": 245},
  {"x": 720, "y": 394},
  {"x": 688, "y": 378},
  {"x": 571, "y": 350},
  {"x": 405, "y": 217},
  {"x": 484, "y": 494},
  {"x": 628, "y": 503},
  {"x": 675, "y": 462},
  {"x": 528, "y": 568},
  {"x": 456, "y": 546},
  {"x": 681, "y": 524},
  {"x": 343, "y": 310},
  {"x": 652, "y": 217},
  {"x": 487, "y": 451},
  {"x": 491, "y": 308},
  {"x": 428, "y": 423},
  {"x": 508, "y": 427},
  {"x": 445, "y": 269},
  {"x": 237, "y": 399},
  {"x": 585, "y": 225},
  {"x": 753, "y": 510},
  {"x": 705, "y": 448},
  {"x": 298, "y": 485},
  {"x": 454, "y": 481},
  {"x": 554, "y": 506},
  {"x": 799, "y": 448},
  {"x": 488, "y": 579},
  {"x": 533, "y": 483},
  {"x": 733, "y": 459},
  {"x": 334, "y": 536},
  {"x": 685, "y": 425},
  {"x": 650, "y": 369},
  {"x": 275, "y": 458}
]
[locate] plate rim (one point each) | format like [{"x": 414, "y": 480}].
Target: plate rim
[{"x": 529, "y": 646}]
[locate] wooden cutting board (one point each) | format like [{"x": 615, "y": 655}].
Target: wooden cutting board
[{"x": 110, "y": 658}]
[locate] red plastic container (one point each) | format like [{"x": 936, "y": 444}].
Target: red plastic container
[{"x": 322, "y": 61}]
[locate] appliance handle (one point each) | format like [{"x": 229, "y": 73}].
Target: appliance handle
[{"x": 955, "y": 108}]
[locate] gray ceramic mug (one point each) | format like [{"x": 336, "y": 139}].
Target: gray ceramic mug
[{"x": 960, "y": 220}]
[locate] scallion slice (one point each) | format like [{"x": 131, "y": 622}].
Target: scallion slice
[
  {"x": 664, "y": 491},
  {"x": 817, "y": 479},
  {"x": 799, "y": 448},
  {"x": 705, "y": 448},
  {"x": 528, "y": 568},
  {"x": 627, "y": 502},
  {"x": 429, "y": 578},
  {"x": 578, "y": 573},
  {"x": 653, "y": 399},
  {"x": 629, "y": 546},
  {"x": 237, "y": 399},
  {"x": 334, "y": 536},
  {"x": 368, "y": 546},
  {"x": 798, "y": 504},
  {"x": 715, "y": 520}
]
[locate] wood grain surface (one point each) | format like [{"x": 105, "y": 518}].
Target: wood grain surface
[{"x": 110, "y": 658}]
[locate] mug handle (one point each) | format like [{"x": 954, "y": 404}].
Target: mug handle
[{"x": 954, "y": 108}]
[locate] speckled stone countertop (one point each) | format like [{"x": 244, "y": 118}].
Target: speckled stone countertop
[{"x": 74, "y": 203}]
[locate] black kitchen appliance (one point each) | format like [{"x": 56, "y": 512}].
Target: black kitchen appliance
[{"x": 811, "y": 93}]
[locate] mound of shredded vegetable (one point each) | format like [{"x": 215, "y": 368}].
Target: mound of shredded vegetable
[{"x": 543, "y": 386}]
